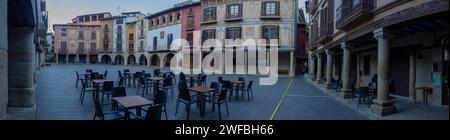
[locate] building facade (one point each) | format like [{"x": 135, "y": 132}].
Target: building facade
[
  {"x": 163, "y": 28},
  {"x": 393, "y": 46},
  {"x": 48, "y": 50},
  {"x": 91, "y": 19},
  {"x": 257, "y": 19},
  {"x": 76, "y": 43}
]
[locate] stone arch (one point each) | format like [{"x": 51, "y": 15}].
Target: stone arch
[
  {"x": 131, "y": 60},
  {"x": 105, "y": 59},
  {"x": 143, "y": 60},
  {"x": 119, "y": 60},
  {"x": 155, "y": 61},
  {"x": 168, "y": 59}
]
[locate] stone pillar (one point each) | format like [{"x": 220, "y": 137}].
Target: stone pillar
[
  {"x": 21, "y": 73},
  {"x": 319, "y": 79},
  {"x": 412, "y": 74},
  {"x": 56, "y": 58},
  {"x": 329, "y": 68},
  {"x": 383, "y": 105},
  {"x": 292, "y": 65},
  {"x": 3, "y": 59},
  {"x": 346, "y": 62},
  {"x": 312, "y": 74},
  {"x": 77, "y": 59},
  {"x": 67, "y": 58}
]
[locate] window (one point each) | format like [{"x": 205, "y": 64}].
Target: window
[
  {"x": 81, "y": 35},
  {"x": 366, "y": 64},
  {"x": 171, "y": 18},
  {"x": 93, "y": 35},
  {"x": 131, "y": 37},
  {"x": 190, "y": 39},
  {"x": 190, "y": 22},
  {"x": 270, "y": 32},
  {"x": 208, "y": 34},
  {"x": 178, "y": 16},
  {"x": 169, "y": 40},
  {"x": 119, "y": 21},
  {"x": 141, "y": 45},
  {"x": 101, "y": 16},
  {"x": 233, "y": 33},
  {"x": 80, "y": 47},
  {"x": 119, "y": 47},
  {"x": 87, "y": 19},
  {"x": 106, "y": 27},
  {"x": 93, "y": 46},
  {"x": 234, "y": 11},
  {"x": 63, "y": 46},
  {"x": 155, "y": 43},
  {"x": 80, "y": 19},
  {"x": 105, "y": 46},
  {"x": 131, "y": 47},
  {"x": 164, "y": 20},
  {"x": 209, "y": 14},
  {"x": 119, "y": 29},
  {"x": 94, "y": 18},
  {"x": 63, "y": 32},
  {"x": 271, "y": 8}
]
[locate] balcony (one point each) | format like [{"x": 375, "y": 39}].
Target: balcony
[
  {"x": 230, "y": 17},
  {"x": 81, "y": 50},
  {"x": 141, "y": 49},
  {"x": 106, "y": 30},
  {"x": 93, "y": 50},
  {"x": 119, "y": 49},
  {"x": 313, "y": 5},
  {"x": 63, "y": 51},
  {"x": 209, "y": 20},
  {"x": 105, "y": 39},
  {"x": 352, "y": 12}
]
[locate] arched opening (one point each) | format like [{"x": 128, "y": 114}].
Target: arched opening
[
  {"x": 93, "y": 59},
  {"x": 106, "y": 59},
  {"x": 168, "y": 59},
  {"x": 119, "y": 60},
  {"x": 131, "y": 60},
  {"x": 143, "y": 60},
  {"x": 155, "y": 60}
]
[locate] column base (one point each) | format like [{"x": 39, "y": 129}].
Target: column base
[
  {"x": 320, "y": 82},
  {"x": 345, "y": 94},
  {"x": 383, "y": 108}
]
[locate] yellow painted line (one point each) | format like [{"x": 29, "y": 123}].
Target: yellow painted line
[{"x": 282, "y": 100}]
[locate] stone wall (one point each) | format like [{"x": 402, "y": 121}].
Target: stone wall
[{"x": 3, "y": 60}]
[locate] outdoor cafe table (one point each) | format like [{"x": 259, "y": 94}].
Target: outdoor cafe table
[
  {"x": 132, "y": 102},
  {"x": 155, "y": 83},
  {"x": 235, "y": 83},
  {"x": 202, "y": 90}
]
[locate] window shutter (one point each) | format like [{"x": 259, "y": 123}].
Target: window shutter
[
  {"x": 240, "y": 10},
  {"x": 263, "y": 8}
]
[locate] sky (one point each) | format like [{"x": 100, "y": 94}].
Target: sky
[{"x": 63, "y": 11}]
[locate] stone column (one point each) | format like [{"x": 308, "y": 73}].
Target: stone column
[
  {"x": 292, "y": 65},
  {"x": 56, "y": 58},
  {"x": 77, "y": 59},
  {"x": 21, "y": 73},
  {"x": 67, "y": 58},
  {"x": 383, "y": 105},
  {"x": 312, "y": 61},
  {"x": 412, "y": 74},
  {"x": 3, "y": 59},
  {"x": 319, "y": 69},
  {"x": 346, "y": 89},
  {"x": 329, "y": 68}
]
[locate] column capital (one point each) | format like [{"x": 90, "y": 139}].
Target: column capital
[
  {"x": 347, "y": 46},
  {"x": 383, "y": 33}
]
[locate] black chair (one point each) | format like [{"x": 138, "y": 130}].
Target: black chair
[
  {"x": 115, "y": 115},
  {"x": 222, "y": 99},
  {"x": 249, "y": 90},
  {"x": 143, "y": 86},
  {"x": 227, "y": 85},
  {"x": 136, "y": 76},
  {"x": 182, "y": 77},
  {"x": 241, "y": 87},
  {"x": 117, "y": 92},
  {"x": 79, "y": 78},
  {"x": 168, "y": 84},
  {"x": 157, "y": 73},
  {"x": 161, "y": 99},
  {"x": 153, "y": 113},
  {"x": 88, "y": 70},
  {"x": 201, "y": 80},
  {"x": 364, "y": 96},
  {"x": 186, "y": 99},
  {"x": 107, "y": 89},
  {"x": 216, "y": 86},
  {"x": 126, "y": 74},
  {"x": 174, "y": 79},
  {"x": 85, "y": 88}
]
